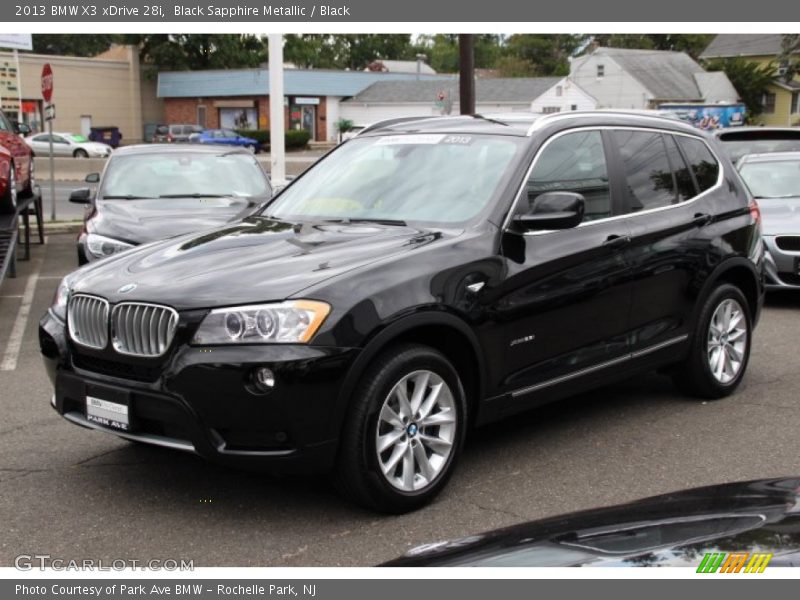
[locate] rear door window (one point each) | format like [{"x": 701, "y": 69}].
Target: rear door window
[
  {"x": 701, "y": 160},
  {"x": 683, "y": 176},
  {"x": 647, "y": 173}
]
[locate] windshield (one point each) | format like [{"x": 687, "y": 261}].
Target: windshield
[
  {"x": 184, "y": 174},
  {"x": 432, "y": 178},
  {"x": 774, "y": 179}
]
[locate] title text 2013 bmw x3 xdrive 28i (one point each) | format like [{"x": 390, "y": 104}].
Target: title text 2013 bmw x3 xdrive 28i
[{"x": 426, "y": 276}]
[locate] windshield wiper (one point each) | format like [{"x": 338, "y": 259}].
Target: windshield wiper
[
  {"x": 193, "y": 195},
  {"x": 476, "y": 116},
  {"x": 396, "y": 222},
  {"x": 126, "y": 197}
]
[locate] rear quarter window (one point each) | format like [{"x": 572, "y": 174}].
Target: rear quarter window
[{"x": 702, "y": 162}]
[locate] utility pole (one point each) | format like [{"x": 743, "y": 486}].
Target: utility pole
[
  {"x": 466, "y": 76},
  {"x": 277, "y": 146}
]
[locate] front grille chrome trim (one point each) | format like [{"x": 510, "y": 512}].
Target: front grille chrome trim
[
  {"x": 87, "y": 321},
  {"x": 143, "y": 329}
]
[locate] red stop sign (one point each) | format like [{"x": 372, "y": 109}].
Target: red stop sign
[{"x": 47, "y": 82}]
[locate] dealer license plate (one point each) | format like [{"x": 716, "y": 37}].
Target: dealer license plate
[{"x": 108, "y": 414}]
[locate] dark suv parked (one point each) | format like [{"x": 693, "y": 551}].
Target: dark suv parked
[{"x": 424, "y": 277}]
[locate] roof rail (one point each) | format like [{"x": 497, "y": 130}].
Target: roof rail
[
  {"x": 389, "y": 122},
  {"x": 639, "y": 113}
]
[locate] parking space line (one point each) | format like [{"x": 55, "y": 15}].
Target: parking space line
[{"x": 18, "y": 331}]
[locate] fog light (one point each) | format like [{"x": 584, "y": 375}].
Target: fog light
[{"x": 264, "y": 379}]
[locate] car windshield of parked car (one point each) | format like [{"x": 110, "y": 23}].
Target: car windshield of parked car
[
  {"x": 184, "y": 174},
  {"x": 773, "y": 179},
  {"x": 428, "y": 178}
]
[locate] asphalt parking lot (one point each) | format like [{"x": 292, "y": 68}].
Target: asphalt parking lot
[{"x": 76, "y": 494}]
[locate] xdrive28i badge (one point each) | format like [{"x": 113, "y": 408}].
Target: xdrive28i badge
[{"x": 128, "y": 287}]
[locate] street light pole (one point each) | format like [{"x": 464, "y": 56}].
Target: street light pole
[
  {"x": 277, "y": 147},
  {"x": 466, "y": 76}
]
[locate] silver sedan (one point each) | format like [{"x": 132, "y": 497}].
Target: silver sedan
[
  {"x": 774, "y": 180},
  {"x": 67, "y": 144}
]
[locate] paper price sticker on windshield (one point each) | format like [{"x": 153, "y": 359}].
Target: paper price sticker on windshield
[
  {"x": 458, "y": 140},
  {"x": 393, "y": 140}
]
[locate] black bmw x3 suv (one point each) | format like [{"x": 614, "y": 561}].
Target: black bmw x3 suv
[{"x": 425, "y": 277}]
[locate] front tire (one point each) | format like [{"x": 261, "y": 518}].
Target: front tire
[
  {"x": 8, "y": 203},
  {"x": 404, "y": 430},
  {"x": 720, "y": 347},
  {"x": 80, "y": 153}
]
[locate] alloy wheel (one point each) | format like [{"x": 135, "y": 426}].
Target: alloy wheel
[
  {"x": 416, "y": 431},
  {"x": 727, "y": 340}
]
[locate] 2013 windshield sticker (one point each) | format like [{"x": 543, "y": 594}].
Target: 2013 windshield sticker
[{"x": 396, "y": 140}]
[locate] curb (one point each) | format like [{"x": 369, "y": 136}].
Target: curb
[{"x": 52, "y": 228}]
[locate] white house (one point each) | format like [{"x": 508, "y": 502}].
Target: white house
[
  {"x": 390, "y": 99},
  {"x": 625, "y": 78},
  {"x": 563, "y": 96}
]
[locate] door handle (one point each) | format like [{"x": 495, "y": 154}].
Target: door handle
[
  {"x": 617, "y": 241},
  {"x": 701, "y": 219}
]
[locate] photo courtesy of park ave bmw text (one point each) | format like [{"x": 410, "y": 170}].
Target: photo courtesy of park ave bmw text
[{"x": 302, "y": 300}]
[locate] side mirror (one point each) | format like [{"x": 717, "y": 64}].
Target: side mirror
[
  {"x": 92, "y": 178},
  {"x": 81, "y": 196},
  {"x": 553, "y": 210},
  {"x": 22, "y": 128}
]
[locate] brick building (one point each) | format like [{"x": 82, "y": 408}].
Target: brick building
[{"x": 239, "y": 98}]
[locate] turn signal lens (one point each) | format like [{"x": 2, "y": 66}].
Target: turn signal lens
[{"x": 755, "y": 212}]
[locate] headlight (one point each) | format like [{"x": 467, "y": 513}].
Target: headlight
[
  {"x": 100, "y": 245},
  {"x": 59, "y": 306},
  {"x": 292, "y": 322}
]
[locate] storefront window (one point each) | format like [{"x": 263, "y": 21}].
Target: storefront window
[{"x": 238, "y": 118}]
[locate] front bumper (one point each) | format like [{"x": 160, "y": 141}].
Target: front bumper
[
  {"x": 782, "y": 268},
  {"x": 202, "y": 399}
]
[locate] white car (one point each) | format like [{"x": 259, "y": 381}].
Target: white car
[{"x": 67, "y": 144}]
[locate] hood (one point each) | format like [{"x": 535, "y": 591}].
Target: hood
[
  {"x": 142, "y": 221},
  {"x": 676, "y": 529},
  {"x": 780, "y": 215},
  {"x": 255, "y": 260}
]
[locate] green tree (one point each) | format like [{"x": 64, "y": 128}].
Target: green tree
[
  {"x": 179, "y": 52},
  {"x": 346, "y": 51},
  {"x": 544, "y": 54},
  {"x": 443, "y": 52},
  {"x": 788, "y": 59},
  {"x": 749, "y": 78},
  {"x": 72, "y": 44}
]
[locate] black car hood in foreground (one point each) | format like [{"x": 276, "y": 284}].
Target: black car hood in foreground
[
  {"x": 254, "y": 260},
  {"x": 671, "y": 530},
  {"x": 142, "y": 221}
]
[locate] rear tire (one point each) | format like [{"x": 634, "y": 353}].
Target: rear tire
[
  {"x": 720, "y": 346},
  {"x": 394, "y": 459}
]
